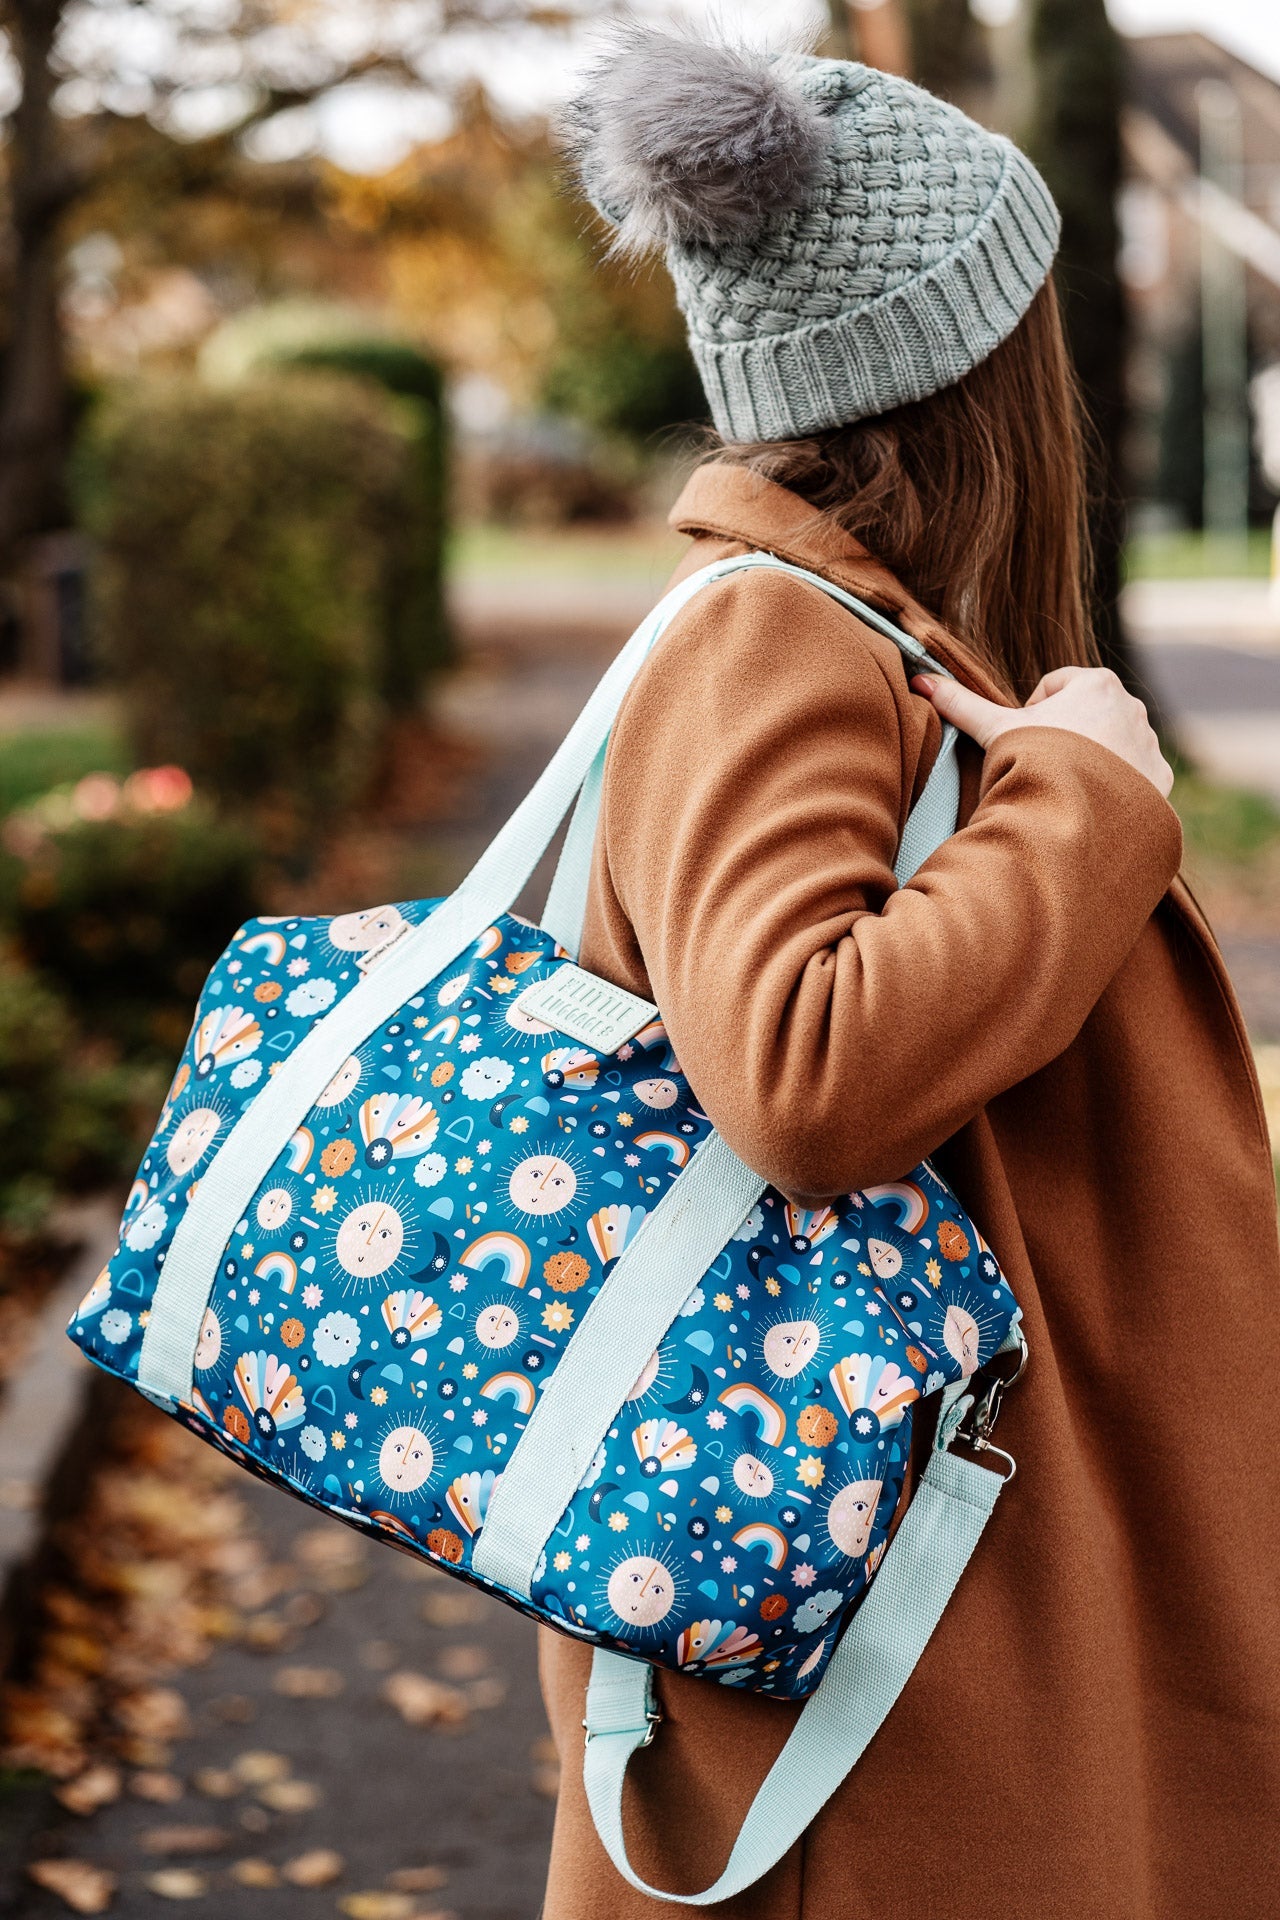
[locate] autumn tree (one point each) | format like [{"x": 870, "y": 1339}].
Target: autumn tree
[{"x": 86, "y": 71}]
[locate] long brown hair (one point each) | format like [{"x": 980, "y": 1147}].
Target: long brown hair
[{"x": 975, "y": 498}]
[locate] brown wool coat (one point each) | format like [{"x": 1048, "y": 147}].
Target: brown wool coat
[{"x": 1094, "y": 1731}]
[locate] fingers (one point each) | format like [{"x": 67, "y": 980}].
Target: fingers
[
  {"x": 1054, "y": 683},
  {"x": 981, "y": 719}
]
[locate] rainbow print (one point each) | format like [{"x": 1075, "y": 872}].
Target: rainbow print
[
  {"x": 745, "y": 1397},
  {"x": 506, "y": 1251},
  {"x": 654, "y": 1036},
  {"x": 570, "y": 1067},
  {"x": 758, "y": 1533},
  {"x": 300, "y": 1149},
  {"x": 810, "y": 1227},
  {"x": 671, "y": 1144},
  {"x": 270, "y": 1392},
  {"x": 905, "y": 1197},
  {"x": 872, "y": 1383},
  {"x": 397, "y": 1126},
  {"x": 281, "y": 1267},
  {"x": 613, "y": 1228},
  {"x": 139, "y": 1194},
  {"x": 716, "y": 1643},
  {"x": 468, "y": 1499},
  {"x": 224, "y": 1036},
  {"x": 516, "y": 1387},
  {"x": 445, "y": 1030},
  {"x": 411, "y": 1316},
  {"x": 489, "y": 942},
  {"x": 663, "y": 1446},
  {"x": 271, "y": 944}
]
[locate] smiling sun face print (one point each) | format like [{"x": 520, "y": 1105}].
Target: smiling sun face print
[
  {"x": 752, "y": 1477},
  {"x": 405, "y": 1460},
  {"x": 851, "y": 1515},
  {"x": 791, "y": 1346},
  {"x": 274, "y": 1208},
  {"x": 497, "y": 1326},
  {"x": 192, "y": 1138},
  {"x": 641, "y": 1591},
  {"x": 542, "y": 1185},
  {"x": 369, "y": 1240}
]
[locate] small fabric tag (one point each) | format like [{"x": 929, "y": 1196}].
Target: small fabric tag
[{"x": 590, "y": 1010}]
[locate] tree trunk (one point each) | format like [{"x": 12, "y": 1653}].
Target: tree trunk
[
  {"x": 1079, "y": 84},
  {"x": 34, "y": 411}
]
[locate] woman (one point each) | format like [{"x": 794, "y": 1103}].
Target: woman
[{"x": 1094, "y": 1730}]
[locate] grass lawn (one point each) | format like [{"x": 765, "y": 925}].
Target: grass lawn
[
  {"x": 34, "y": 760},
  {"x": 644, "y": 553},
  {"x": 1198, "y": 556}
]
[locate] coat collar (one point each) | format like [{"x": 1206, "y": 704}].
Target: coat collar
[{"x": 731, "y": 502}]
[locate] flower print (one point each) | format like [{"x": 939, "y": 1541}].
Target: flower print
[
  {"x": 728, "y": 1564},
  {"x": 503, "y": 984},
  {"x": 772, "y": 1286},
  {"x": 803, "y": 1575},
  {"x": 470, "y": 1371},
  {"x": 562, "y": 1562},
  {"x": 582, "y": 1542},
  {"x": 626, "y": 1119},
  {"x": 724, "y": 1303},
  {"x": 626, "y": 1051},
  {"x": 247, "y": 1250},
  {"x": 933, "y": 1273},
  {"x": 519, "y": 1124},
  {"x": 338, "y": 1438},
  {"x": 298, "y": 966},
  {"x": 312, "y": 1295},
  {"x": 864, "y": 1269},
  {"x": 253, "y": 1296},
  {"x": 811, "y": 1472},
  {"x": 557, "y": 1317},
  {"x": 421, "y": 1020},
  {"x": 457, "y": 1284},
  {"x": 378, "y": 1395},
  {"x": 484, "y": 1146},
  {"x": 619, "y": 1522},
  {"x": 631, "y": 1159},
  {"x": 742, "y": 1290},
  {"x": 873, "y": 1308},
  {"x": 715, "y": 1419},
  {"x": 724, "y": 1515},
  {"x": 324, "y": 1199},
  {"x": 817, "y": 1610},
  {"x": 352, "y": 1420},
  {"x": 463, "y": 1163},
  {"x": 865, "y": 1424},
  {"x": 479, "y": 1418},
  {"x": 469, "y": 1043}
]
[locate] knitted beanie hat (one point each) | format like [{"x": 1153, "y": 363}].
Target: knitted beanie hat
[{"x": 841, "y": 241}]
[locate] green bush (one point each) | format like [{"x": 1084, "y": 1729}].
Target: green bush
[
  {"x": 125, "y": 912},
  {"x": 68, "y": 1118},
  {"x": 418, "y": 634},
  {"x": 252, "y": 549}
]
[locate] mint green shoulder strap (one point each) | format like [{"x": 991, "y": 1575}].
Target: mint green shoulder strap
[
  {"x": 932, "y": 820},
  {"x": 865, "y": 1676}
]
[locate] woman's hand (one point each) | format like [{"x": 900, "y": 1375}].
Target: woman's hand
[{"x": 1087, "y": 700}]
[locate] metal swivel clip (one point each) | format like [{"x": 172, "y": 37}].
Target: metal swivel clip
[{"x": 989, "y": 1391}]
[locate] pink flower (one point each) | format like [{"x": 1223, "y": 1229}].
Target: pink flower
[{"x": 804, "y": 1575}]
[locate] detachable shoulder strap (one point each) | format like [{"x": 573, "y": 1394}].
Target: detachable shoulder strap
[
  {"x": 863, "y": 1680},
  {"x": 932, "y": 820}
]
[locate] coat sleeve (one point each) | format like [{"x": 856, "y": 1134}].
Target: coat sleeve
[{"x": 835, "y": 1027}]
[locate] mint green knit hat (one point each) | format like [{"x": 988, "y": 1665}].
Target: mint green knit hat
[{"x": 841, "y": 241}]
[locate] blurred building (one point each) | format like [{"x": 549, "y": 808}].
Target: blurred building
[{"x": 1168, "y": 212}]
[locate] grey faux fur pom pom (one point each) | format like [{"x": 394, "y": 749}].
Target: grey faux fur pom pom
[{"x": 678, "y": 141}]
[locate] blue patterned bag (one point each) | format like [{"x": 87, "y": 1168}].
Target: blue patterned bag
[{"x": 434, "y": 1234}]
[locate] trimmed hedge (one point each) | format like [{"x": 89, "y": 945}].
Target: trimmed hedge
[{"x": 256, "y": 551}]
